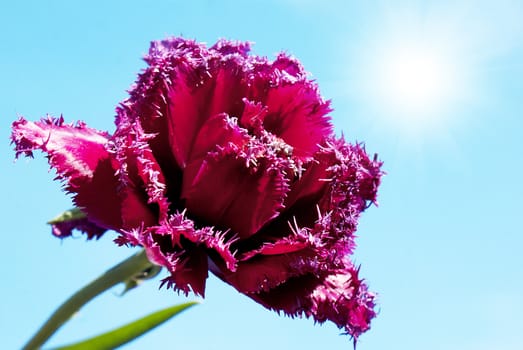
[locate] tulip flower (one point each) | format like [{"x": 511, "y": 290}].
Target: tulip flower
[{"x": 227, "y": 162}]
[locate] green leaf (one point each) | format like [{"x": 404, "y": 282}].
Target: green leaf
[
  {"x": 68, "y": 215},
  {"x": 130, "y": 331},
  {"x": 134, "y": 281}
]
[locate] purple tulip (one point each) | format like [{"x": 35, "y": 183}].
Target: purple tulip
[{"x": 226, "y": 162}]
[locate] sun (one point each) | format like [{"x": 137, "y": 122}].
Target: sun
[
  {"x": 410, "y": 77},
  {"x": 414, "y": 84},
  {"x": 414, "y": 80}
]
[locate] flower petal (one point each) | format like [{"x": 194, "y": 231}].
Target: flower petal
[
  {"x": 295, "y": 111},
  {"x": 183, "y": 250},
  {"x": 338, "y": 296},
  {"x": 189, "y": 272},
  {"x": 65, "y": 228},
  {"x": 297, "y": 114},
  {"x": 353, "y": 182},
  {"x": 273, "y": 263},
  {"x": 75, "y": 151},
  {"x": 140, "y": 172},
  {"x": 258, "y": 274},
  {"x": 185, "y": 85},
  {"x": 216, "y": 132},
  {"x": 81, "y": 159},
  {"x": 250, "y": 195}
]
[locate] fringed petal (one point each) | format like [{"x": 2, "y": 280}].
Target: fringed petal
[
  {"x": 79, "y": 156},
  {"x": 295, "y": 111},
  {"x": 297, "y": 114},
  {"x": 139, "y": 170},
  {"x": 232, "y": 47},
  {"x": 74, "y": 150},
  {"x": 181, "y": 231},
  {"x": 189, "y": 272},
  {"x": 185, "y": 85},
  {"x": 217, "y": 132},
  {"x": 353, "y": 182},
  {"x": 253, "y": 115},
  {"x": 338, "y": 296},
  {"x": 245, "y": 182},
  {"x": 183, "y": 250}
]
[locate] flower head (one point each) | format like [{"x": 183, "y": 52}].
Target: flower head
[{"x": 226, "y": 162}]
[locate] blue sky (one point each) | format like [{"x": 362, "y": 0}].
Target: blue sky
[{"x": 434, "y": 87}]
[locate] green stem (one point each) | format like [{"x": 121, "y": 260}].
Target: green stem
[{"x": 122, "y": 272}]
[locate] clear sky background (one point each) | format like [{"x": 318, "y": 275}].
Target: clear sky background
[{"x": 434, "y": 87}]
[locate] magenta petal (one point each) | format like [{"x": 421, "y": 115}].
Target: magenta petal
[
  {"x": 74, "y": 151},
  {"x": 80, "y": 158},
  {"x": 185, "y": 115},
  {"x": 253, "y": 115},
  {"x": 185, "y": 85},
  {"x": 267, "y": 268},
  {"x": 338, "y": 296},
  {"x": 248, "y": 197},
  {"x": 353, "y": 182},
  {"x": 190, "y": 106},
  {"x": 310, "y": 186},
  {"x": 189, "y": 272},
  {"x": 166, "y": 102},
  {"x": 183, "y": 250},
  {"x": 228, "y": 47},
  {"x": 65, "y": 228},
  {"x": 259, "y": 274},
  {"x": 274, "y": 262},
  {"x": 217, "y": 131},
  {"x": 187, "y": 265},
  {"x": 141, "y": 174},
  {"x": 182, "y": 232},
  {"x": 228, "y": 86},
  {"x": 290, "y": 67},
  {"x": 283, "y": 246},
  {"x": 298, "y": 115}
]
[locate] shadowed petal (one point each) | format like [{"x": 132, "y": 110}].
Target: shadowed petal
[
  {"x": 183, "y": 250},
  {"x": 275, "y": 262},
  {"x": 266, "y": 268},
  {"x": 258, "y": 274},
  {"x": 63, "y": 225},
  {"x": 338, "y": 296},
  {"x": 189, "y": 272}
]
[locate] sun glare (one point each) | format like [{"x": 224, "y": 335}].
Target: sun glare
[
  {"x": 411, "y": 76},
  {"x": 414, "y": 79},
  {"x": 414, "y": 84}
]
